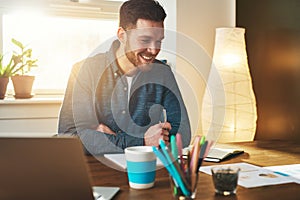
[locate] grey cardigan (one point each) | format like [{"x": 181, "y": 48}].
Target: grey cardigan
[{"x": 97, "y": 93}]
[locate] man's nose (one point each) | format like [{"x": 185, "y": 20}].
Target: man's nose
[{"x": 153, "y": 48}]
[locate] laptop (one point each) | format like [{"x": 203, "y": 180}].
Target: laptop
[{"x": 46, "y": 169}]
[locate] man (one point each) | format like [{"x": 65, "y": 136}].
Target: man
[{"x": 117, "y": 99}]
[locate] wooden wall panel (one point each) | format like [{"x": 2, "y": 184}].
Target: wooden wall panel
[{"x": 273, "y": 45}]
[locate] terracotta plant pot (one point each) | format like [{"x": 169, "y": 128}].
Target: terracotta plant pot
[
  {"x": 23, "y": 86},
  {"x": 3, "y": 86}
]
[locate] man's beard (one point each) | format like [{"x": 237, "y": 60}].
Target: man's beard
[{"x": 135, "y": 60}]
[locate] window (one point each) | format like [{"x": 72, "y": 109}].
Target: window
[{"x": 58, "y": 42}]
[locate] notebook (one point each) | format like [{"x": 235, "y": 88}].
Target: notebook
[
  {"x": 120, "y": 160},
  {"x": 221, "y": 154},
  {"x": 46, "y": 168}
]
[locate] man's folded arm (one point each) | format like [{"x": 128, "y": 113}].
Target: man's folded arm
[{"x": 96, "y": 142}]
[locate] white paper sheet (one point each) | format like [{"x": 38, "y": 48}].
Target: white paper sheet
[
  {"x": 253, "y": 176},
  {"x": 287, "y": 170}
]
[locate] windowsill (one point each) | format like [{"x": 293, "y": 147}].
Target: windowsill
[{"x": 37, "y": 99}]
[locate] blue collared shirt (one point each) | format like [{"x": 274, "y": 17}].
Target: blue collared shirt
[{"x": 97, "y": 92}]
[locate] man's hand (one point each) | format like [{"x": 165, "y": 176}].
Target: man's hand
[
  {"x": 105, "y": 129},
  {"x": 157, "y": 132}
]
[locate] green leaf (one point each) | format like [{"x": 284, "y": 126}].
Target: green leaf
[
  {"x": 21, "y": 61},
  {"x": 18, "y": 43}
]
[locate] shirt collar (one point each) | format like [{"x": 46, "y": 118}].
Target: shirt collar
[{"x": 112, "y": 60}]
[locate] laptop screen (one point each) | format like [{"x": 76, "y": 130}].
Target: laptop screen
[{"x": 43, "y": 168}]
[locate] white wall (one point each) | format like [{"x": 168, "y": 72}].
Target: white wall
[
  {"x": 168, "y": 50},
  {"x": 196, "y": 23},
  {"x": 29, "y": 117},
  {"x": 199, "y": 18}
]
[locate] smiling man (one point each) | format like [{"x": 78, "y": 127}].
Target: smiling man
[{"x": 117, "y": 99}]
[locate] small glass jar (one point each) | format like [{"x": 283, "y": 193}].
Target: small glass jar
[{"x": 225, "y": 179}]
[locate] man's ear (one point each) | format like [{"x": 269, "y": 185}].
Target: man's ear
[{"x": 121, "y": 35}]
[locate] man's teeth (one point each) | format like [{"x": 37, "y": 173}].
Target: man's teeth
[{"x": 146, "y": 57}]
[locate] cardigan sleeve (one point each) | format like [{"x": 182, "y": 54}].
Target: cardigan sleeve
[{"x": 78, "y": 116}]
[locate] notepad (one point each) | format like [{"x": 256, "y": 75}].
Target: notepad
[
  {"x": 220, "y": 154},
  {"x": 120, "y": 159},
  {"x": 104, "y": 192}
]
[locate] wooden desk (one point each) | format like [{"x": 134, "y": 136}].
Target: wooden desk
[{"x": 263, "y": 153}]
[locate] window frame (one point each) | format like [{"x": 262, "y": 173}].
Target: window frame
[{"x": 106, "y": 10}]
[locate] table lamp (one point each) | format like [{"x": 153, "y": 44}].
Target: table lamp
[{"x": 234, "y": 101}]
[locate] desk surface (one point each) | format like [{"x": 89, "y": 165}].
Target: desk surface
[{"x": 262, "y": 153}]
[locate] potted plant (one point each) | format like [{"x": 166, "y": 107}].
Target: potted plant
[
  {"x": 22, "y": 64},
  {"x": 5, "y": 73}
]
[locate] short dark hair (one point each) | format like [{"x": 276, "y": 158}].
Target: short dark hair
[{"x": 133, "y": 10}]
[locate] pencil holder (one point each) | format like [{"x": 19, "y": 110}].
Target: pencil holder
[
  {"x": 183, "y": 171},
  {"x": 177, "y": 192}
]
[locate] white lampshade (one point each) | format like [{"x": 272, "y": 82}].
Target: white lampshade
[{"x": 229, "y": 106}]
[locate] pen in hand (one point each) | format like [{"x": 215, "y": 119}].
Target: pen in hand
[{"x": 165, "y": 118}]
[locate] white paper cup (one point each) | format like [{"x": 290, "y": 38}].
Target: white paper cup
[{"x": 141, "y": 166}]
